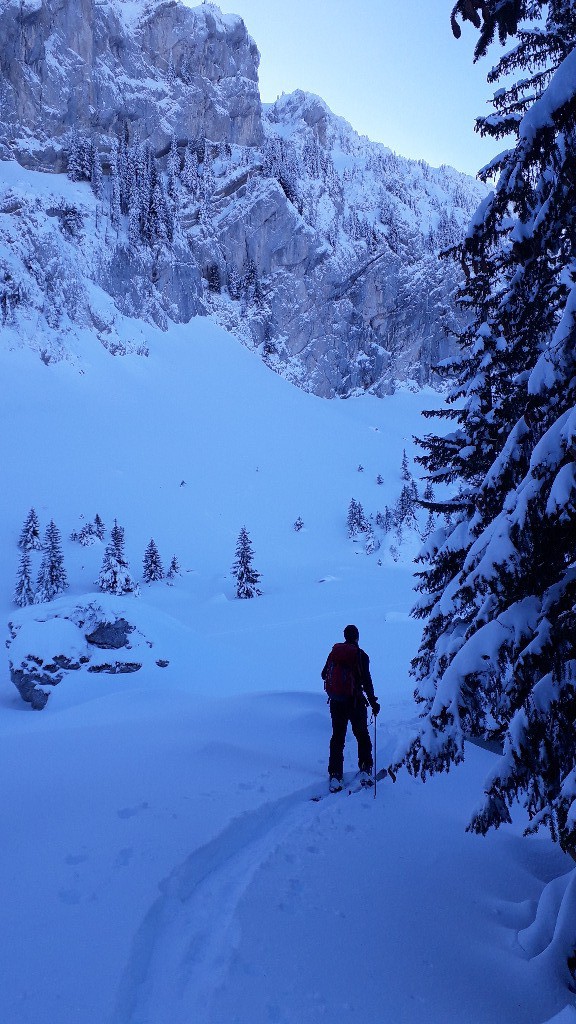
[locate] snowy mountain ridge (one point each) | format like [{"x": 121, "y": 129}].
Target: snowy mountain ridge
[{"x": 312, "y": 244}]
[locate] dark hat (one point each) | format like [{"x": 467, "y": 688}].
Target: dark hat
[{"x": 351, "y": 634}]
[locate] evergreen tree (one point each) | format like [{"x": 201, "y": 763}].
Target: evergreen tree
[
  {"x": 299, "y": 524},
  {"x": 174, "y": 569},
  {"x": 152, "y": 565},
  {"x": 87, "y": 535},
  {"x": 207, "y": 189},
  {"x": 24, "y": 592},
  {"x": 30, "y": 536},
  {"x": 99, "y": 528},
  {"x": 372, "y": 542},
  {"x": 52, "y": 578},
  {"x": 213, "y": 278},
  {"x": 234, "y": 284},
  {"x": 115, "y": 577},
  {"x": 96, "y": 174},
  {"x": 249, "y": 283},
  {"x": 173, "y": 169},
  {"x": 356, "y": 520},
  {"x": 243, "y": 571},
  {"x": 80, "y": 158},
  {"x": 114, "y": 191},
  {"x": 189, "y": 174},
  {"x": 404, "y": 512},
  {"x": 384, "y": 519},
  {"x": 498, "y": 654}
]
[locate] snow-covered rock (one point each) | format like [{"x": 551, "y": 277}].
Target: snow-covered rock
[{"x": 47, "y": 643}]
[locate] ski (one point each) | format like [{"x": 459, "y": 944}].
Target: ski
[
  {"x": 346, "y": 781},
  {"x": 368, "y": 784},
  {"x": 351, "y": 784}
]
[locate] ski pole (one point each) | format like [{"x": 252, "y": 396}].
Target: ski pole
[{"x": 375, "y": 765}]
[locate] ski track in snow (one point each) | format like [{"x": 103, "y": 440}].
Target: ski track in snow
[
  {"x": 188, "y": 934},
  {"x": 191, "y": 953}
]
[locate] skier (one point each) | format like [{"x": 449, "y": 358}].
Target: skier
[{"x": 348, "y": 683}]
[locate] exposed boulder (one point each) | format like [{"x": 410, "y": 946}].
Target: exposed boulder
[
  {"x": 49, "y": 644},
  {"x": 110, "y": 635}
]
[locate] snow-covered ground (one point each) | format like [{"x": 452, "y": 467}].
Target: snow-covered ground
[{"x": 161, "y": 861}]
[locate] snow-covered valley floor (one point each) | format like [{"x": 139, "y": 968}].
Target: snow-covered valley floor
[{"x": 161, "y": 861}]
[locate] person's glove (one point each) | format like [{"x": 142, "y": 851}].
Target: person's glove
[{"x": 375, "y": 708}]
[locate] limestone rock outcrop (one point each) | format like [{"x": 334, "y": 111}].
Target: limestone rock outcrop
[{"x": 187, "y": 197}]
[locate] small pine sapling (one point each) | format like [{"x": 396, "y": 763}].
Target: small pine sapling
[
  {"x": 99, "y": 528},
  {"x": 30, "y": 536},
  {"x": 384, "y": 519},
  {"x": 174, "y": 569},
  {"x": 356, "y": 521},
  {"x": 24, "y": 591},
  {"x": 352, "y": 521},
  {"x": 152, "y": 570},
  {"x": 299, "y": 524},
  {"x": 115, "y": 577},
  {"x": 372, "y": 543},
  {"x": 243, "y": 571}
]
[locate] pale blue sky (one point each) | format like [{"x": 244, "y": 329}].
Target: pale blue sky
[{"x": 390, "y": 67}]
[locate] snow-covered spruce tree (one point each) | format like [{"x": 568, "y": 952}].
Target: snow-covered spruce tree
[
  {"x": 356, "y": 520},
  {"x": 24, "y": 591},
  {"x": 52, "y": 578},
  {"x": 189, "y": 174},
  {"x": 115, "y": 577},
  {"x": 498, "y": 654},
  {"x": 87, "y": 535},
  {"x": 99, "y": 528},
  {"x": 243, "y": 571},
  {"x": 152, "y": 569},
  {"x": 30, "y": 535},
  {"x": 80, "y": 156},
  {"x": 96, "y": 179},
  {"x": 173, "y": 170},
  {"x": 404, "y": 512},
  {"x": 174, "y": 568}
]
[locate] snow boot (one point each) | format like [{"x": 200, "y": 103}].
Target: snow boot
[
  {"x": 335, "y": 784},
  {"x": 365, "y": 779}
]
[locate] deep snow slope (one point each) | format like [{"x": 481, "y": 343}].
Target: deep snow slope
[{"x": 162, "y": 861}]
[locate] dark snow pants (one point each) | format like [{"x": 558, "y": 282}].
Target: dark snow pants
[{"x": 354, "y": 711}]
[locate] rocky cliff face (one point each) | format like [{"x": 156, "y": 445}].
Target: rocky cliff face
[
  {"x": 314, "y": 245},
  {"x": 93, "y": 66}
]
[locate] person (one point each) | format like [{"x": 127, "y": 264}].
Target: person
[{"x": 350, "y": 690}]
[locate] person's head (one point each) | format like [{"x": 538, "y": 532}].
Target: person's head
[{"x": 351, "y": 634}]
